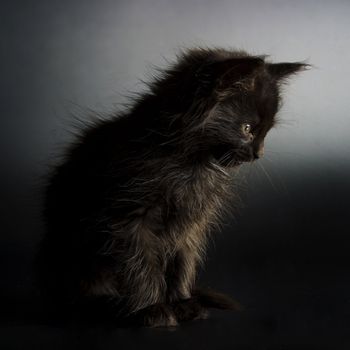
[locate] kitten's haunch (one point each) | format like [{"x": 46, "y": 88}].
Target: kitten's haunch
[{"x": 129, "y": 210}]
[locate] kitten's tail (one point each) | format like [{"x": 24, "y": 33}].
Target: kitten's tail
[{"x": 211, "y": 299}]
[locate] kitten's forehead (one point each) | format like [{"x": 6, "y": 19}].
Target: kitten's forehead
[{"x": 267, "y": 98}]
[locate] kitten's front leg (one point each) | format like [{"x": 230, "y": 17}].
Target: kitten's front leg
[
  {"x": 180, "y": 277},
  {"x": 142, "y": 278},
  {"x": 189, "y": 302}
]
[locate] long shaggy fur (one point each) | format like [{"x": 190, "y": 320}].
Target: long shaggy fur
[{"x": 129, "y": 210}]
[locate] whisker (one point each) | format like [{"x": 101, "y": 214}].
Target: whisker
[
  {"x": 283, "y": 153},
  {"x": 267, "y": 176}
]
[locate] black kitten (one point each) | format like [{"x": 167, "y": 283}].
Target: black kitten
[{"x": 129, "y": 211}]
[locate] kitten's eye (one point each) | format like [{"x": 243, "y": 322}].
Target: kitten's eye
[{"x": 246, "y": 128}]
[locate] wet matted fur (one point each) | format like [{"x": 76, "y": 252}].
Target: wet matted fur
[{"x": 129, "y": 210}]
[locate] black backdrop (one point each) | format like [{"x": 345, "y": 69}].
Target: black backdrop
[{"x": 284, "y": 256}]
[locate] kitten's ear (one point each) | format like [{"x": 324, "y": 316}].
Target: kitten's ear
[
  {"x": 284, "y": 70},
  {"x": 223, "y": 74}
]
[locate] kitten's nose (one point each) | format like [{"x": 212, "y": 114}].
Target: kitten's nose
[{"x": 259, "y": 152}]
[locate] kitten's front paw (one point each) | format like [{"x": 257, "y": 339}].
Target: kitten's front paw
[
  {"x": 159, "y": 315},
  {"x": 189, "y": 309},
  {"x": 213, "y": 299}
]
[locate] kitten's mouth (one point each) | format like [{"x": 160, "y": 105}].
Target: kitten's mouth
[
  {"x": 228, "y": 157},
  {"x": 230, "y": 162}
]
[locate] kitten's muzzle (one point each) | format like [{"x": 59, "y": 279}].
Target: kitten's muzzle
[{"x": 259, "y": 152}]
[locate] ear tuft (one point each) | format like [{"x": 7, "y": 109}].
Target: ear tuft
[{"x": 285, "y": 69}]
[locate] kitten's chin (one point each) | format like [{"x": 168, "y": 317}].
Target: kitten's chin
[
  {"x": 229, "y": 164},
  {"x": 238, "y": 163},
  {"x": 229, "y": 157},
  {"x": 234, "y": 162}
]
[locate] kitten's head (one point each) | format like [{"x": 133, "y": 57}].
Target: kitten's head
[{"x": 225, "y": 102}]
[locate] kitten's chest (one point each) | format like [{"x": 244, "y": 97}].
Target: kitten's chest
[
  {"x": 199, "y": 201},
  {"x": 204, "y": 192}
]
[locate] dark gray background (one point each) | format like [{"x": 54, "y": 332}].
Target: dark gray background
[{"x": 285, "y": 257}]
